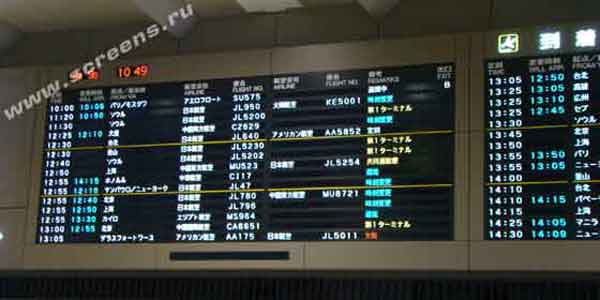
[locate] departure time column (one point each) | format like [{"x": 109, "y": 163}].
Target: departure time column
[
  {"x": 56, "y": 170},
  {"x": 527, "y": 144},
  {"x": 505, "y": 153}
]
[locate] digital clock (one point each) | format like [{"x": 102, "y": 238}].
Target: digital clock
[{"x": 138, "y": 71}]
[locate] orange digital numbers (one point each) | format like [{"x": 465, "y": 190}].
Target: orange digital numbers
[{"x": 139, "y": 71}]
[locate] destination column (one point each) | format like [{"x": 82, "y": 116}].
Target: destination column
[
  {"x": 141, "y": 164},
  {"x": 586, "y": 139}
]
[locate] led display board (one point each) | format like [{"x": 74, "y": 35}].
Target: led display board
[
  {"x": 542, "y": 167},
  {"x": 353, "y": 155}
]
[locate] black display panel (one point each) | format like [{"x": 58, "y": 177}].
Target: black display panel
[
  {"x": 348, "y": 155},
  {"x": 541, "y": 140}
]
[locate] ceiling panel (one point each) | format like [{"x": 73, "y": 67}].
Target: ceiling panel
[
  {"x": 410, "y": 17},
  {"x": 216, "y": 8},
  {"x": 338, "y": 24},
  {"x": 424, "y": 17},
  {"x": 513, "y": 13},
  {"x": 54, "y": 15},
  {"x": 46, "y": 15}
]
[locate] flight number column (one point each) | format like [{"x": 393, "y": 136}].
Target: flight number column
[
  {"x": 243, "y": 220},
  {"x": 317, "y": 157}
]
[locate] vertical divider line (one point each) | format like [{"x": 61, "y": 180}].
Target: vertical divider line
[
  {"x": 468, "y": 144},
  {"x": 35, "y": 78}
]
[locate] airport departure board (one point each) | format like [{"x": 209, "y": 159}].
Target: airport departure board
[
  {"x": 348, "y": 155},
  {"x": 542, "y": 171}
]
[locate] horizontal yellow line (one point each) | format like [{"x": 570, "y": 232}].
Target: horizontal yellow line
[
  {"x": 406, "y": 186},
  {"x": 586, "y": 125},
  {"x": 362, "y": 135},
  {"x": 175, "y": 144},
  {"x": 528, "y": 183},
  {"x": 586, "y": 181},
  {"x": 543, "y": 127},
  {"x": 155, "y": 193},
  {"x": 529, "y": 127}
]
